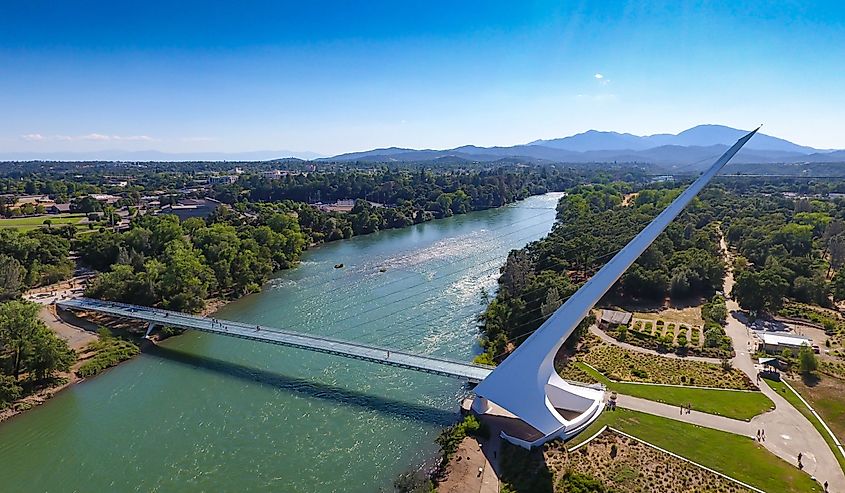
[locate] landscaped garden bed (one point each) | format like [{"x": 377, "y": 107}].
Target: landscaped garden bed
[
  {"x": 631, "y": 366},
  {"x": 668, "y": 337},
  {"x": 625, "y": 465}
]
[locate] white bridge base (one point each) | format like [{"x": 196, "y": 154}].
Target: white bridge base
[{"x": 575, "y": 405}]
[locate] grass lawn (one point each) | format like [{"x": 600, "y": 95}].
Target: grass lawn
[
  {"x": 781, "y": 389},
  {"x": 739, "y": 457},
  {"x": 827, "y": 396},
  {"x": 728, "y": 403},
  {"x": 29, "y": 223}
]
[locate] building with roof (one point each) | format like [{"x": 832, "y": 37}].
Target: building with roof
[
  {"x": 222, "y": 179},
  {"x": 776, "y": 343},
  {"x": 610, "y": 318},
  {"x": 104, "y": 198}
]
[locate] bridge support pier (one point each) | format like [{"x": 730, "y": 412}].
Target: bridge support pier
[{"x": 150, "y": 329}]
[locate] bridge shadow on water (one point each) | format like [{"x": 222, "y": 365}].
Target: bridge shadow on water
[{"x": 308, "y": 388}]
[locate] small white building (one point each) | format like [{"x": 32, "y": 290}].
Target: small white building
[
  {"x": 104, "y": 198},
  {"x": 776, "y": 343}
]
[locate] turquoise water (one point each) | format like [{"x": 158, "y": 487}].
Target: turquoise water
[{"x": 209, "y": 413}]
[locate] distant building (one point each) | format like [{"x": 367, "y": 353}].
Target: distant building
[
  {"x": 23, "y": 200},
  {"x": 104, "y": 198},
  {"x": 59, "y": 209},
  {"x": 273, "y": 174},
  {"x": 342, "y": 205},
  {"x": 610, "y": 318},
  {"x": 776, "y": 343},
  {"x": 222, "y": 180},
  {"x": 189, "y": 208}
]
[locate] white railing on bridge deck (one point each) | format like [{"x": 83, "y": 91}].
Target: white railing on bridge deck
[{"x": 429, "y": 364}]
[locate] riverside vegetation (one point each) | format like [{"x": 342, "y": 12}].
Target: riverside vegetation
[{"x": 31, "y": 356}]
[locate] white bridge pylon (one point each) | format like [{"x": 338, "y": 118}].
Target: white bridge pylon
[{"x": 526, "y": 384}]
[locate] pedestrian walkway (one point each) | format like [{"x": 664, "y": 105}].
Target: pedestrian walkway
[
  {"x": 788, "y": 432},
  {"x": 695, "y": 417}
]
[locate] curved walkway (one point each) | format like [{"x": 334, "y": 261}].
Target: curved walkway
[
  {"x": 788, "y": 432},
  {"x": 722, "y": 423},
  {"x": 624, "y": 345}
]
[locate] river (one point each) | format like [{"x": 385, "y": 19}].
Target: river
[{"x": 209, "y": 413}]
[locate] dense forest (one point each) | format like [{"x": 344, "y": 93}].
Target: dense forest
[
  {"x": 31, "y": 259},
  {"x": 787, "y": 248},
  {"x": 162, "y": 261}
]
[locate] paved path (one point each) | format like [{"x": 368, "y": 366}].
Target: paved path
[
  {"x": 788, "y": 432},
  {"x": 695, "y": 417},
  {"x": 610, "y": 340}
]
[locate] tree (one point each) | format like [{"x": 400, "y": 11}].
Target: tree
[
  {"x": 18, "y": 324},
  {"x": 87, "y": 205},
  {"x": 28, "y": 345},
  {"x": 48, "y": 354},
  {"x": 552, "y": 302},
  {"x": 838, "y": 285},
  {"x": 186, "y": 280},
  {"x": 807, "y": 362},
  {"x": 11, "y": 277},
  {"x": 762, "y": 290}
]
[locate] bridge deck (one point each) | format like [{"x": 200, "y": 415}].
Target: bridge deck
[{"x": 384, "y": 356}]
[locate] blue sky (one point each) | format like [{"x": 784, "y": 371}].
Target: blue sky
[{"x": 332, "y": 77}]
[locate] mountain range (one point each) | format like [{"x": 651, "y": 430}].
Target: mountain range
[
  {"x": 693, "y": 148},
  {"x": 696, "y": 144}
]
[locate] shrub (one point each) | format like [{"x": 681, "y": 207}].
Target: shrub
[
  {"x": 451, "y": 437},
  {"x": 574, "y": 482},
  {"x": 484, "y": 358},
  {"x": 807, "y": 360},
  {"x": 9, "y": 390},
  {"x": 622, "y": 333},
  {"x": 109, "y": 352}
]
